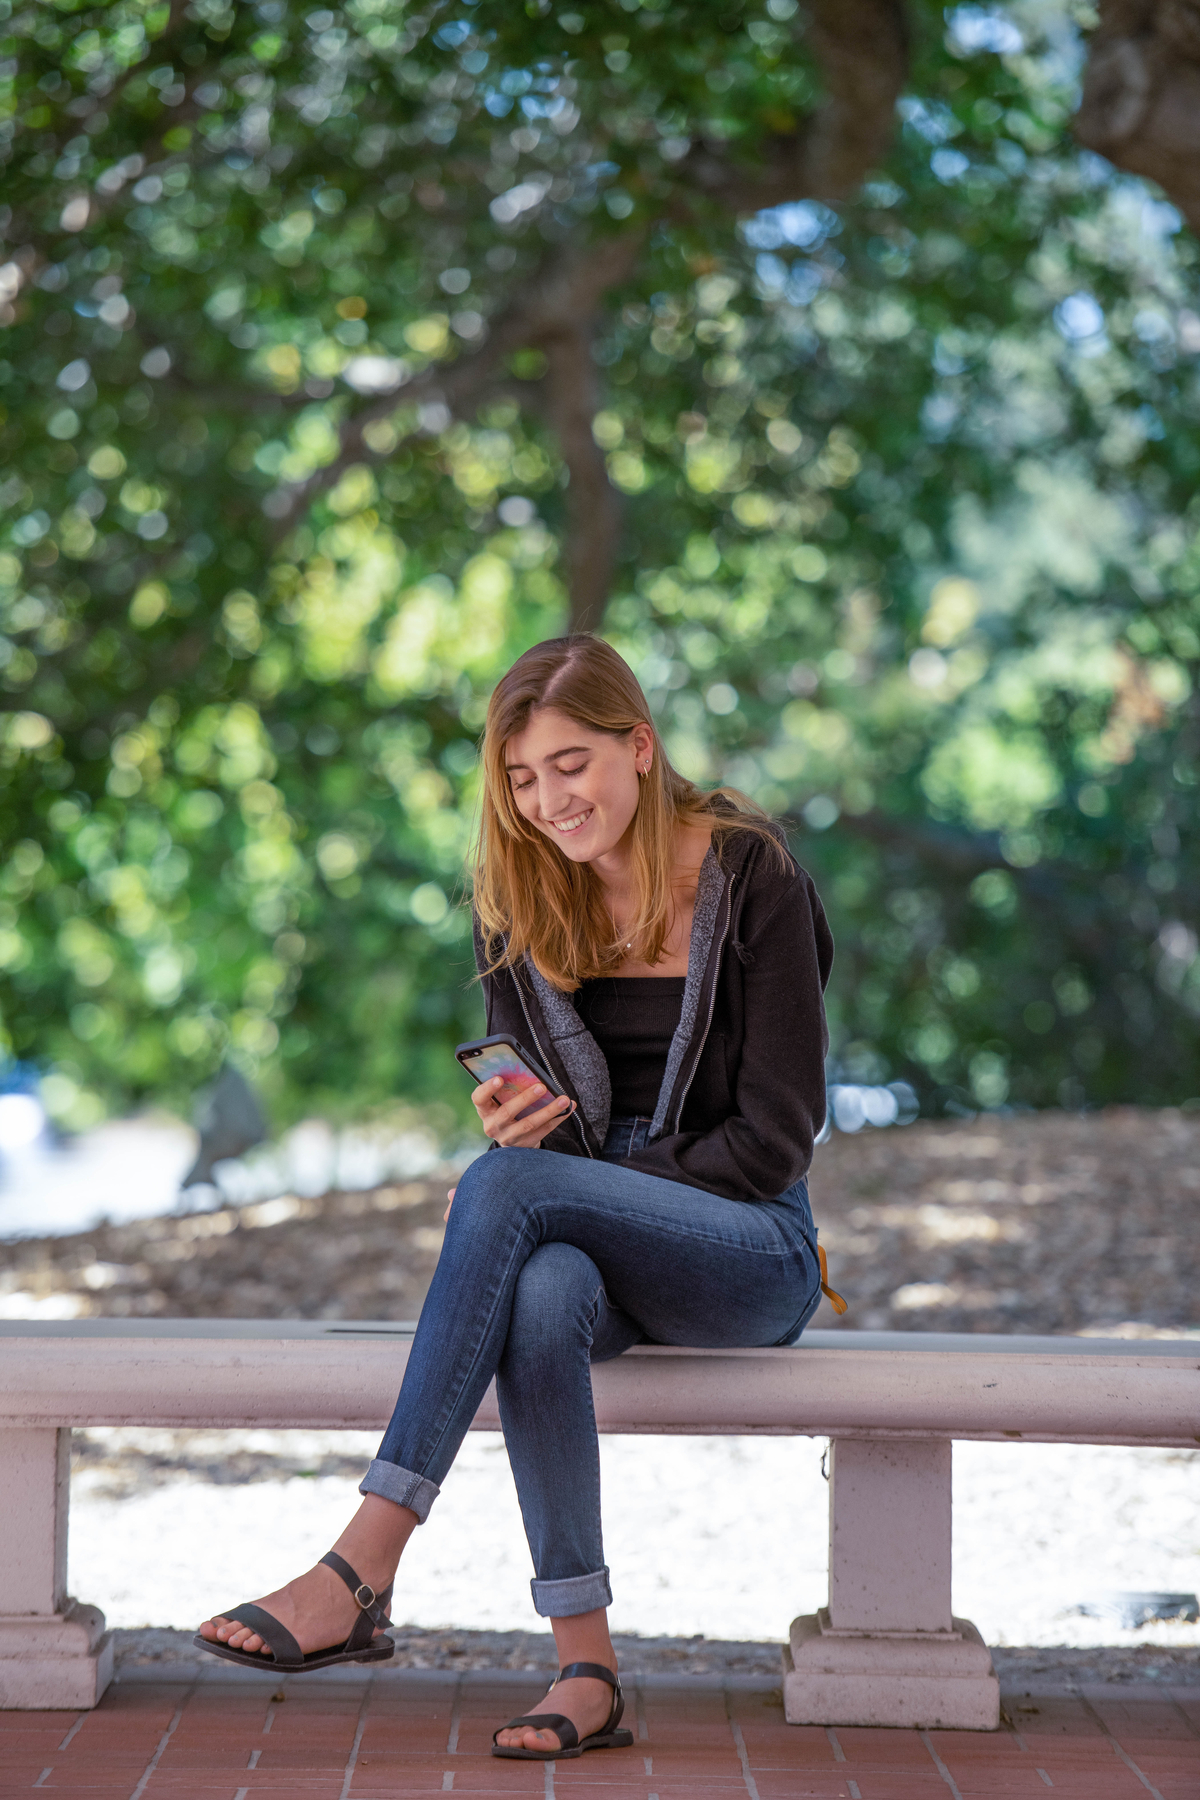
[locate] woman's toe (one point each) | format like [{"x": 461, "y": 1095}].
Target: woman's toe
[{"x": 227, "y": 1631}]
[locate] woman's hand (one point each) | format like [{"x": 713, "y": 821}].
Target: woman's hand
[{"x": 500, "y": 1121}]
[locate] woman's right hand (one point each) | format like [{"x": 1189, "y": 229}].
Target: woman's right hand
[{"x": 500, "y": 1121}]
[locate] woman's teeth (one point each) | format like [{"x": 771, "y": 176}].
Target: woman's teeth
[{"x": 572, "y": 824}]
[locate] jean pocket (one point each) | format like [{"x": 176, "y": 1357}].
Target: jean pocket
[{"x": 626, "y": 1136}]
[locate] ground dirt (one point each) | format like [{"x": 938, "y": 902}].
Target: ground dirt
[
  {"x": 1022, "y": 1671},
  {"x": 1049, "y": 1222}
]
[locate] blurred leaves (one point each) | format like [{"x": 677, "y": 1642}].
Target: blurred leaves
[{"x": 911, "y": 547}]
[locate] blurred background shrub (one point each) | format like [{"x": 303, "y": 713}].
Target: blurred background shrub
[{"x": 348, "y": 353}]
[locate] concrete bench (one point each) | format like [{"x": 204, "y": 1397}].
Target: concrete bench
[{"x": 885, "y": 1651}]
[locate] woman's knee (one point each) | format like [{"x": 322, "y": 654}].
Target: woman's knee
[
  {"x": 555, "y": 1296},
  {"x": 496, "y": 1183}
]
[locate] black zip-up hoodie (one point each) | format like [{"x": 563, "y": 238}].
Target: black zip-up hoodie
[{"x": 743, "y": 1093}]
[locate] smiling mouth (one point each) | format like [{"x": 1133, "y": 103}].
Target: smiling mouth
[{"x": 566, "y": 826}]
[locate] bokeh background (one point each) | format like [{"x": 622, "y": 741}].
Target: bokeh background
[
  {"x": 842, "y": 366},
  {"x": 815, "y": 359}
]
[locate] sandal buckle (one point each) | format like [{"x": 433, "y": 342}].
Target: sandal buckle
[{"x": 365, "y": 1596}]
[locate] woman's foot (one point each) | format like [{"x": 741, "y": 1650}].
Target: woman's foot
[
  {"x": 317, "y": 1608},
  {"x": 585, "y": 1702}
]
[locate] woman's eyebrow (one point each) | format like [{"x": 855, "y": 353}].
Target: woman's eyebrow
[{"x": 572, "y": 750}]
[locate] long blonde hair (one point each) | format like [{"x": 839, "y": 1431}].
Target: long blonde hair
[{"x": 532, "y": 900}]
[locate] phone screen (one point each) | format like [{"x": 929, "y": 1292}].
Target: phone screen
[{"x": 502, "y": 1059}]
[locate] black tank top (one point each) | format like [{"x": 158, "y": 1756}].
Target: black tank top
[{"x": 633, "y": 1019}]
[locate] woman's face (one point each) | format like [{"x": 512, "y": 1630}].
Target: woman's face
[{"x": 579, "y": 787}]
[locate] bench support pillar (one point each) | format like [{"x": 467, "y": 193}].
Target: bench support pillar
[
  {"x": 53, "y": 1651},
  {"x": 886, "y": 1651}
]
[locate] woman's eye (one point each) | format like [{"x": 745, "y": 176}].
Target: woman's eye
[
  {"x": 520, "y": 786},
  {"x": 578, "y": 771}
]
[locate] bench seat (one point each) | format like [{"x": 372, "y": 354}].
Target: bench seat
[
  {"x": 886, "y": 1650},
  {"x": 301, "y": 1374}
]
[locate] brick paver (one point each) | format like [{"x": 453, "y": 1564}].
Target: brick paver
[{"x": 351, "y": 1735}]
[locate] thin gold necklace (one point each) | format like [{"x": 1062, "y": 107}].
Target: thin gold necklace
[{"x": 612, "y": 916}]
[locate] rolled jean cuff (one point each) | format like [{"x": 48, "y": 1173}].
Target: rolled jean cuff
[
  {"x": 579, "y": 1594},
  {"x": 400, "y": 1485}
]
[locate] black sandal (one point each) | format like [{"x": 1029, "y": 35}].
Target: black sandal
[
  {"x": 609, "y": 1738},
  {"x": 286, "y": 1657}
]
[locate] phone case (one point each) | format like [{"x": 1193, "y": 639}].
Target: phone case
[{"x": 501, "y": 1055}]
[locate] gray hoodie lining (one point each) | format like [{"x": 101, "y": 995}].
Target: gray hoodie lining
[
  {"x": 709, "y": 889},
  {"x": 582, "y": 1056}
]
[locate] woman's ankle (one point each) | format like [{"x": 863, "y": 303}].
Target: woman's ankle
[
  {"x": 584, "y": 1638},
  {"x": 374, "y": 1540}
]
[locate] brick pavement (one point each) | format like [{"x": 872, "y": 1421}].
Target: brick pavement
[{"x": 348, "y": 1735}]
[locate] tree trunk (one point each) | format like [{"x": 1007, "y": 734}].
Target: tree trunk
[{"x": 1141, "y": 95}]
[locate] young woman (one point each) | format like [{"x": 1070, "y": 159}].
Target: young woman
[{"x": 661, "y": 954}]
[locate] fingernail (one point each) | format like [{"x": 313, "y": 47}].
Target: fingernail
[{"x": 562, "y": 1104}]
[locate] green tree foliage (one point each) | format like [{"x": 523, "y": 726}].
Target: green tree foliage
[{"x": 336, "y": 342}]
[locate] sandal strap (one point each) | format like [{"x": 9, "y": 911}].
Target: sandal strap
[
  {"x": 277, "y": 1637},
  {"x": 373, "y": 1612},
  {"x": 373, "y": 1604},
  {"x": 363, "y": 1633},
  {"x": 566, "y": 1733},
  {"x": 596, "y": 1671}
]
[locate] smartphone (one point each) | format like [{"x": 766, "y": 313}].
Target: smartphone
[{"x": 484, "y": 1057}]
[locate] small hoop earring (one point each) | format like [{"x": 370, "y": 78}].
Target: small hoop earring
[{"x": 644, "y": 772}]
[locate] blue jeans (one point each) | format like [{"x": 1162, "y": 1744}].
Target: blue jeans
[{"x": 551, "y": 1263}]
